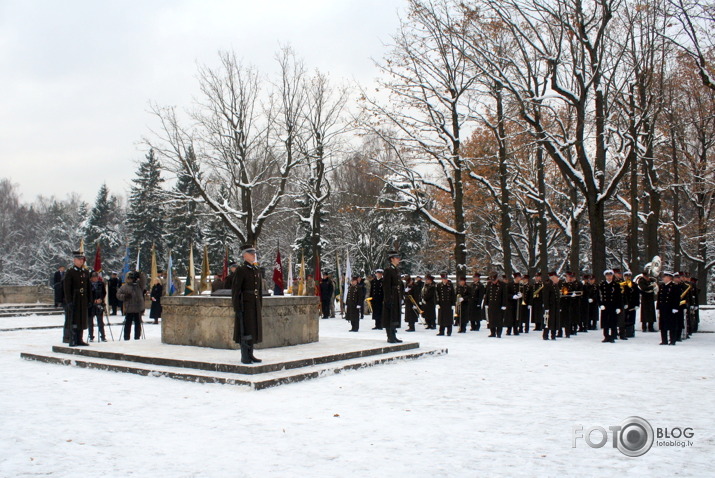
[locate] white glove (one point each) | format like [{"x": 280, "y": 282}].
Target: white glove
[
  {"x": 618, "y": 311},
  {"x": 636, "y": 307},
  {"x": 603, "y": 307},
  {"x": 696, "y": 307},
  {"x": 408, "y": 289},
  {"x": 503, "y": 308},
  {"x": 590, "y": 301},
  {"x": 675, "y": 311},
  {"x": 515, "y": 296},
  {"x": 519, "y": 295},
  {"x": 437, "y": 306},
  {"x": 486, "y": 307},
  {"x": 529, "y": 307},
  {"x": 546, "y": 311},
  {"x": 461, "y": 299},
  {"x": 359, "y": 307}
]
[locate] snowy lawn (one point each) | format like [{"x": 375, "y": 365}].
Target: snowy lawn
[{"x": 491, "y": 407}]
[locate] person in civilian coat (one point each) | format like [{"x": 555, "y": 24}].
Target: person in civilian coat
[
  {"x": 57, "y": 285},
  {"x": 157, "y": 290},
  {"x": 113, "y": 286},
  {"x": 97, "y": 293}
]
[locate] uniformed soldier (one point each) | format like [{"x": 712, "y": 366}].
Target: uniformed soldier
[
  {"x": 682, "y": 306},
  {"x": 392, "y": 302},
  {"x": 445, "y": 300},
  {"x": 570, "y": 304},
  {"x": 247, "y": 298},
  {"x": 377, "y": 296},
  {"x": 76, "y": 296},
  {"x": 511, "y": 317},
  {"x": 668, "y": 309},
  {"x": 590, "y": 299},
  {"x": 551, "y": 297},
  {"x": 462, "y": 303},
  {"x": 476, "y": 302},
  {"x": 428, "y": 303},
  {"x": 694, "y": 306},
  {"x": 353, "y": 304},
  {"x": 228, "y": 283},
  {"x": 495, "y": 303},
  {"x": 537, "y": 302},
  {"x": 412, "y": 315},
  {"x": 611, "y": 305},
  {"x": 524, "y": 304},
  {"x": 631, "y": 303},
  {"x": 647, "y": 286}
]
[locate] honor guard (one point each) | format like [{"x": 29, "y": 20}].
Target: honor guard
[
  {"x": 376, "y": 298},
  {"x": 668, "y": 309},
  {"x": 392, "y": 302},
  {"x": 551, "y": 294},
  {"x": 445, "y": 300},
  {"x": 353, "y": 305},
  {"x": 495, "y": 303},
  {"x": 537, "y": 302},
  {"x": 611, "y": 305},
  {"x": 462, "y": 303},
  {"x": 429, "y": 302},
  {"x": 476, "y": 302},
  {"x": 247, "y": 298},
  {"x": 76, "y": 296}
]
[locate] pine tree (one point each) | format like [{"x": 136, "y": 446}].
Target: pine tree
[
  {"x": 145, "y": 219},
  {"x": 104, "y": 227},
  {"x": 183, "y": 225}
]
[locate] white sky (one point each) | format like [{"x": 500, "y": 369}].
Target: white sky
[{"x": 77, "y": 76}]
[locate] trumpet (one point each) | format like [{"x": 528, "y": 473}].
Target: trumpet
[
  {"x": 458, "y": 307},
  {"x": 414, "y": 305},
  {"x": 683, "y": 301},
  {"x": 537, "y": 292}
]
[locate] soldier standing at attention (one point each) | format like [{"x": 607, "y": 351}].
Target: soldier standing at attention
[
  {"x": 247, "y": 296},
  {"x": 611, "y": 300},
  {"x": 464, "y": 300},
  {"x": 392, "y": 302},
  {"x": 429, "y": 301},
  {"x": 551, "y": 297},
  {"x": 668, "y": 302},
  {"x": 411, "y": 313},
  {"x": 537, "y": 303},
  {"x": 445, "y": 301},
  {"x": 377, "y": 295},
  {"x": 495, "y": 300},
  {"x": 475, "y": 302},
  {"x": 524, "y": 304},
  {"x": 353, "y": 305},
  {"x": 631, "y": 303},
  {"x": 647, "y": 286},
  {"x": 76, "y": 296}
]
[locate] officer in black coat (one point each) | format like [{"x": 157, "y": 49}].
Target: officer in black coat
[
  {"x": 445, "y": 301},
  {"x": 392, "y": 304},
  {"x": 429, "y": 302},
  {"x": 495, "y": 303},
  {"x": 462, "y": 303},
  {"x": 247, "y": 298},
  {"x": 610, "y": 299},
  {"x": 377, "y": 296},
  {"x": 551, "y": 299},
  {"x": 76, "y": 296},
  {"x": 353, "y": 305},
  {"x": 668, "y": 309},
  {"x": 476, "y": 298},
  {"x": 327, "y": 294},
  {"x": 537, "y": 302}
]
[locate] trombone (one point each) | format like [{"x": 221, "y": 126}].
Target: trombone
[
  {"x": 458, "y": 306},
  {"x": 414, "y": 305}
]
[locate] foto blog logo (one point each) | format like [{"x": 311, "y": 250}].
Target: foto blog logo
[{"x": 633, "y": 437}]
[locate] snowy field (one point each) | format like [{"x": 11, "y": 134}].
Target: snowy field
[{"x": 491, "y": 407}]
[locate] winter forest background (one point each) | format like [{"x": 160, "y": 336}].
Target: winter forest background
[{"x": 516, "y": 135}]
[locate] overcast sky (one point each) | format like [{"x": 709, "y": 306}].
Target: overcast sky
[{"x": 76, "y": 77}]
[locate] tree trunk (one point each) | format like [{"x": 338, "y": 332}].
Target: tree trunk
[
  {"x": 596, "y": 217},
  {"x": 503, "y": 184},
  {"x": 575, "y": 252},
  {"x": 677, "y": 257}
]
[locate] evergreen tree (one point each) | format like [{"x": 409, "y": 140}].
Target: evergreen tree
[
  {"x": 145, "y": 218},
  {"x": 183, "y": 225},
  {"x": 103, "y": 227}
]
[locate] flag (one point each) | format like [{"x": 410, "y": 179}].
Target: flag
[
  {"x": 154, "y": 272},
  {"x": 348, "y": 277},
  {"x": 191, "y": 275},
  {"x": 318, "y": 275},
  {"x": 278, "y": 274},
  {"x": 170, "y": 276},
  {"x": 98, "y": 260},
  {"x": 290, "y": 275},
  {"x": 224, "y": 272},
  {"x": 81, "y": 246},
  {"x": 339, "y": 276},
  {"x": 301, "y": 275},
  {"x": 125, "y": 268},
  {"x": 139, "y": 251},
  {"x": 205, "y": 271}
]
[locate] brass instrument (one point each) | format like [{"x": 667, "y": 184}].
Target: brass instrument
[
  {"x": 566, "y": 293},
  {"x": 414, "y": 305},
  {"x": 368, "y": 301},
  {"x": 458, "y": 306},
  {"x": 685, "y": 294},
  {"x": 537, "y": 292}
]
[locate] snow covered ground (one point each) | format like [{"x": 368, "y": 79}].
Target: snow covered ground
[{"x": 489, "y": 408}]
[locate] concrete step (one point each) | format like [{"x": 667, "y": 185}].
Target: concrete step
[
  {"x": 203, "y": 365},
  {"x": 27, "y": 313}
]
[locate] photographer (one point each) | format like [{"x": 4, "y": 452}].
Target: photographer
[
  {"x": 97, "y": 293},
  {"x": 132, "y": 294}
]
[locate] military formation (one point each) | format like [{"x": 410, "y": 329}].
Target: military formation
[{"x": 557, "y": 306}]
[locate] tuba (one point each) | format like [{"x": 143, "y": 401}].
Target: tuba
[{"x": 653, "y": 269}]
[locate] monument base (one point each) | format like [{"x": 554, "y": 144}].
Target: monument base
[{"x": 208, "y": 321}]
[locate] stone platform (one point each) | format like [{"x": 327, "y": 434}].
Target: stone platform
[
  {"x": 208, "y": 321},
  {"x": 206, "y": 365}
]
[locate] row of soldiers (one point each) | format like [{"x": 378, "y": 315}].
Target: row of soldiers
[{"x": 559, "y": 307}]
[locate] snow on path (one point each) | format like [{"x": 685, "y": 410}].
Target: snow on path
[{"x": 489, "y": 408}]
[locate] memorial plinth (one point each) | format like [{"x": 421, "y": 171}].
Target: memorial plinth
[{"x": 208, "y": 321}]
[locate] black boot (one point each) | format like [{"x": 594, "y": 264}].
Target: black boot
[
  {"x": 245, "y": 354},
  {"x": 79, "y": 341},
  {"x": 253, "y": 357}
]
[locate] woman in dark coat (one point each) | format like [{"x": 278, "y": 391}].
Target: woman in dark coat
[
  {"x": 156, "y": 292},
  {"x": 353, "y": 305}
]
